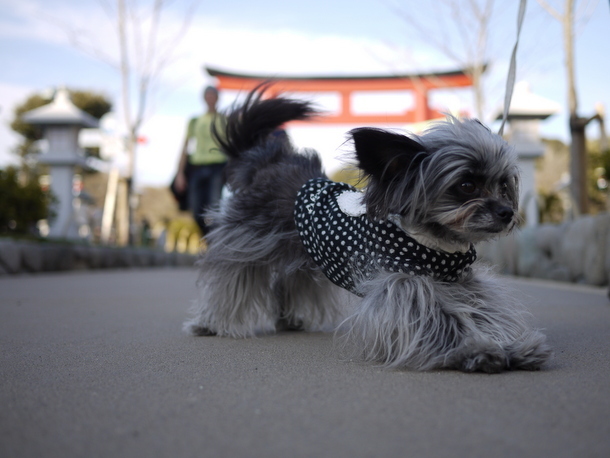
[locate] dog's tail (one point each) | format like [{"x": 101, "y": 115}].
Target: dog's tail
[{"x": 253, "y": 122}]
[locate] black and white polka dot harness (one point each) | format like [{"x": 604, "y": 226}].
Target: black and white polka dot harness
[{"x": 350, "y": 247}]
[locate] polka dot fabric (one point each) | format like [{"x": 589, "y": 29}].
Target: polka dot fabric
[{"x": 350, "y": 248}]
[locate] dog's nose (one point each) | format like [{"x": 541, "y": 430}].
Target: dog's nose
[{"x": 504, "y": 213}]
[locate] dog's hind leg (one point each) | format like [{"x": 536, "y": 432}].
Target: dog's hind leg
[
  {"x": 235, "y": 300},
  {"x": 236, "y": 297}
]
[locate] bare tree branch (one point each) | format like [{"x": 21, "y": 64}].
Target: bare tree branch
[
  {"x": 125, "y": 68},
  {"x": 578, "y": 154},
  {"x": 142, "y": 57},
  {"x": 439, "y": 43},
  {"x": 471, "y": 20},
  {"x": 549, "y": 9},
  {"x": 80, "y": 40},
  {"x": 582, "y": 16}
]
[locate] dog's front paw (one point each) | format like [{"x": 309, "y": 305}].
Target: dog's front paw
[
  {"x": 485, "y": 357},
  {"x": 530, "y": 352},
  {"x": 289, "y": 325},
  {"x": 203, "y": 331},
  {"x": 490, "y": 362},
  {"x": 198, "y": 330}
]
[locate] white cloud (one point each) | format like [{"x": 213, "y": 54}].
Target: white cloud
[
  {"x": 51, "y": 22},
  {"x": 240, "y": 44},
  {"x": 247, "y": 48},
  {"x": 240, "y": 48}
]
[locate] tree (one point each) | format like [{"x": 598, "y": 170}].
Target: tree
[
  {"x": 470, "y": 23},
  {"x": 23, "y": 204},
  {"x": 30, "y": 133},
  {"x": 578, "y": 152},
  {"x": 141, "y": 56}
]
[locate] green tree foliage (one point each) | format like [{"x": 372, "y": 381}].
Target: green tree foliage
[
  {"x": 598, "y": 174},
  {"x": 22, "y": 205},
  {"x": 555, "y": 162},
  {"x": 28, "y": 131},
  {"x": 90, "y": 102},
  {"x": 550, "y": 207}
]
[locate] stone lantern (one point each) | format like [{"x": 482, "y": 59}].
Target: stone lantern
[
  {"x": 526, "y": 112},
  {"x": 61, "y": 122}
]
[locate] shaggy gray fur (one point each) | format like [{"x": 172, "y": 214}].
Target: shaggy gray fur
[{"x": 455, "y": 185}]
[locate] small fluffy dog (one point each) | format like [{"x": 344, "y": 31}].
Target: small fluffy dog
[{"x": 293, "y": 250}]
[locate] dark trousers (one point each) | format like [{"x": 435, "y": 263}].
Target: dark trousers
[{"x": 205, "y": 188}]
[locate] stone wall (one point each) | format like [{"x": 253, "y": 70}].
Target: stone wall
[
  {"x": 576, "y": 251},
  {"x": 32, "y": 257}
]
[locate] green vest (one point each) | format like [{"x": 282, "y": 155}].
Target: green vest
[{"x": 203, "y": 149}]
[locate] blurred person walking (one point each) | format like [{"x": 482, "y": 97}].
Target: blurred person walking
[{"x": 200, "y": 177}]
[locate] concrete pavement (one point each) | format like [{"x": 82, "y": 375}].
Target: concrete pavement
[{"x": 94, "y": 364}]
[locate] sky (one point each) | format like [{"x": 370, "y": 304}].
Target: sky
[{"x": 45, "y": 44}]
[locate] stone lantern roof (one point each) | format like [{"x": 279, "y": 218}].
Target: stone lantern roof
[
  {"x": 527, "y": 105},
  {"x": 61, "y": 111}
]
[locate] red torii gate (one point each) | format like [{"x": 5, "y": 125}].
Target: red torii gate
[{"x": 418, "y": 84}]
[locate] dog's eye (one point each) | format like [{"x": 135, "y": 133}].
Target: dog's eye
[
  {"x": 504, "y": 188},
  {"x": 468, "y": 187}
]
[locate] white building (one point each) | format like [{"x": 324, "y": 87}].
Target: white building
[{"x": 526, "y": 112}]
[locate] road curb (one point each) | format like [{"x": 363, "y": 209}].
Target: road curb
[{"x": 17, "y": 257}]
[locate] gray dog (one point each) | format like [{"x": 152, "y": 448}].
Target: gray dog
[{"x": 291, "y": 249}]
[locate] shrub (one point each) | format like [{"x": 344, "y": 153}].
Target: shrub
[{"x": 22, "y": 205}]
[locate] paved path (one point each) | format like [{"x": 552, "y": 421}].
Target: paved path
[{"x": 95, "y": 364}]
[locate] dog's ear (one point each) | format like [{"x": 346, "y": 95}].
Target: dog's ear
[{"x": 384, "y": 154}]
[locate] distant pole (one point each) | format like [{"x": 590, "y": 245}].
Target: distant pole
[
  {"x": 578, "y": 165},
  {"x": 578, "y": 157},
  {"x": 109, "y": 205}
]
